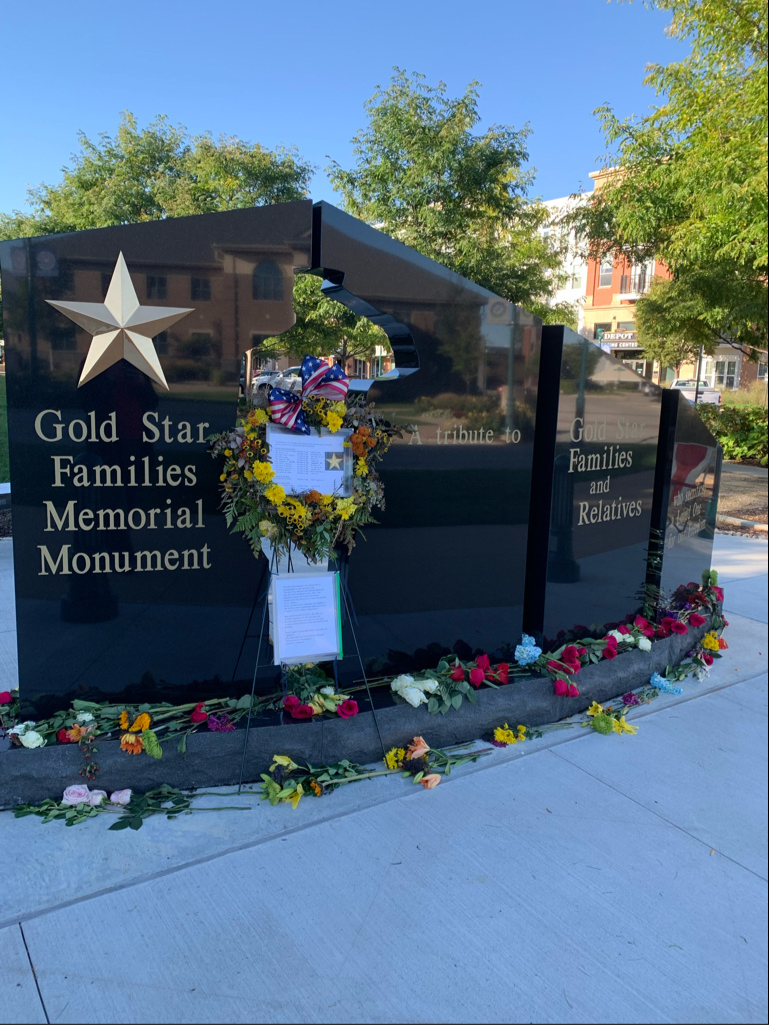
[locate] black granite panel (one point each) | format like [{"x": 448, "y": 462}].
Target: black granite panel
[
  {"x": 597, "y": 432},
  {"x": 128, "y": 583},
  {"x": 444, "y": 568},
  {"x": 686, "y": 496}
]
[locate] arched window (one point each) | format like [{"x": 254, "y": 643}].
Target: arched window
[{"x": 267, "y": 282}]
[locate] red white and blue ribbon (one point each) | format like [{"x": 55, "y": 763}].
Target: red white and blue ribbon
[{"x": 318, "y": 379}]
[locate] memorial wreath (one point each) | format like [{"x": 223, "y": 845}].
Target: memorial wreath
[{"x": 313, "y": 523}]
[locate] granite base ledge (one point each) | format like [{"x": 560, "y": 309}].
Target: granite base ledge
[{"x": 214, "y": 759}]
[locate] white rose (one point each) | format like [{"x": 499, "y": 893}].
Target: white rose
[
  {"x": 618, "y": 637},
  {"x": 84, "y": 717},
  {"x": 20, "y": 728},
  {"x": 32, "y": 739},
  {"x": 96, "y": 797},
  {"x": 121, "y": 797},
  {"x": 401, "y": 681},
  {"x": 78, "y": 793},
  {"x": 644, "y": 644},
  {"x": 328, "y": 691},
  {"x": 413, "y": 695},
  {"x": 428, "y": 686}
]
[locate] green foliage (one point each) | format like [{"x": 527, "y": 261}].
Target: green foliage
[
  {"x": 460, "y": 197},
  {"x": 152, "y": 744},
  {"x": 325, "y": 327},
  {"x": 692, "y": 186},
  {"x": 155, "y": 172},
  {"x": 740, "y": 430}
]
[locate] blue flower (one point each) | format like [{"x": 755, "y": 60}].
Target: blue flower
[
  {"x": 663, "y": 684},
  {"x": 527, "y": 651}
]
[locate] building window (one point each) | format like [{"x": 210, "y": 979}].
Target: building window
[
  {"x": 726, "y": 373},
  {"x": 156, "y": 287},
  {"x": 267, "y": 282},
  {"x": 359, "y": 368},
  {"x": 761, "y": 372},
  {"x": 201, "y": 290},
  {"x": 626, "y": 325},
  {"x": 600, "y": 330},
  {"x": 605, "y": 273}
]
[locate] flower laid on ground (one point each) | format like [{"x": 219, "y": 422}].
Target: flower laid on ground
[
  {"x": 79, "y": 793},
  {"x": 631, "y": 699},
  {"x": 347, "y": 708},
  {"x": 418, "y": 748},
  {"x": 5, "y": 697},
  {"x": 414, "y": 691},
  {"x": 296, "y": 709},
  {"x": 430, "y": 781},
  {"x": 619, "y": 725},
  {"x": 710, "y": 641},
  {"x": 503, "y": 735},
  {"x": 394, "y": 757},
  {"x": 142, "y": 721},
  {"x": 131, "y": 743},
  {"x": 198, "y": 715},
  {"x": 120, "y": 797},
  {"x": 664, "y": 685},
  {"x": 220, "y": 723},
  {"x": 595, "y": 709},
  {"x": 527, "y": 652}
]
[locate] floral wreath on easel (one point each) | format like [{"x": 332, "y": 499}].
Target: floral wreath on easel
[{"x": 312, "y": 522}]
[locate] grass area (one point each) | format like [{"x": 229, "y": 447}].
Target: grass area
[
  {"x": 5, "y": 473},
  {"x": 753, "y": 396}
]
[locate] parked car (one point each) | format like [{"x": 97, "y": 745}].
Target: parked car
[
  {"x": 688, "y": 386},
  {"x": 264, "y": 380}
]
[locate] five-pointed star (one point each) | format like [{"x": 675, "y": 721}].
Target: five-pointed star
[
  {"x": 334, "y": 461},
  {"x": 121, "y": 328}
]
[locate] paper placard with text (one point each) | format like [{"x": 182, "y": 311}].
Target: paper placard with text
[
  {"x": 307, "y": 462},
  {"x": 306, "y": 618}
]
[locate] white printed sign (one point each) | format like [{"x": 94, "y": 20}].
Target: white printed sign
[
  {"x": 306, "y": 618},
  {"x": 306, "y": 462}
]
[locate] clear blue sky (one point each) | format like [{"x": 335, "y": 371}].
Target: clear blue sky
[{"x": 298, "y": 73}]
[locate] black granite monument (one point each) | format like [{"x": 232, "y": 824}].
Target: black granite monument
[
  {"x": 124, "y": 350},
  {"x": 685, "y": 496},
  {"x": 595, "y": 455}
]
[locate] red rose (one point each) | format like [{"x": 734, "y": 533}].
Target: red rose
[
  {"x": 63, "y": 737},
  {"x": 457, "y": 673},
  {"x": 679, "y": 628},
  {"x": 718, "y": 592},
  {"x": 640, "y": 622},
  {"x": 5, "y": 697},
  {"x": 477, "y": 676},
  {"x": 707, "y": 659},
  {"x": 611, "y": 641},
  {"x": 662, "y": 631},
  {"x": 200, "y": 714},
  {"x": 696, "y": 619},
  {"x": 347, "y": 708},
  {"x": 609, "y": 651},
  {"x": 483, "y": 662},
  {"x": 302, "y": 712},
  {"x": 667, "y": 621},
  {"x": 622, "y": 629},
  {"x": 503, "y": 672},
  {"x": 582, "y": 652},
  {"x": 647, "y": 631},
  {"x": 291, "y": 702},
  {"x": 561, "y": 688},
  {"x": 573, "y": 692},
  {"x": 555, "y": 667},
  {"x": 570, "y": 654}
]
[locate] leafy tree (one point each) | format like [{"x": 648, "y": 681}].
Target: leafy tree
[
  {"x": 691, "y": 186},
  {"x": 426, "y": 178},
  {"x": 155, "y": 172},
  {"x": 325, "y": 327}
]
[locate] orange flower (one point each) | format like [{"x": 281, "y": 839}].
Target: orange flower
[
  {"x": 124, "y": 720},
  {"x": 430, "y": 781},
  {"x": 131, "y": 743},
  {"x": 371, "y": 442},
  {"x": 141, "y": 722},
  {"x": 722, "y": 644},
  {"x": 312, "y": 496},
  {"x": 75, "y": 732},
  {"x": 418, "y": 748}
]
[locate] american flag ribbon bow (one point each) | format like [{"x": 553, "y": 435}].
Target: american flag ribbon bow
[{"x": 318, "y": 379}]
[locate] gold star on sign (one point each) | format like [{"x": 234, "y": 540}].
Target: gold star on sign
[
  {"x": 334, "y": 461},
  {"x": 121, "y": 328}
]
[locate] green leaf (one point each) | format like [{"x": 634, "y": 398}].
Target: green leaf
[
  {"x": 456, "y": 701},
  {"x": 86, "y": 706},
  {"x": 152, "y": 744},
  {"x": 135, "y": 822},
  {"x": 244, "y": 702}
]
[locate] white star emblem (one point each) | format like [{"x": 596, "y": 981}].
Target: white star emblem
[{"x": 121, "y": 328}]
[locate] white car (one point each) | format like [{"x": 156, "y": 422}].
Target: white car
[
  {"x": 703, "y": 393},
  {"x": 265, "y": 380}
]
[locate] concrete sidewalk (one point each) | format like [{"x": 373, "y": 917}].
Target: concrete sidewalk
[{"x": 578, "y": 878}]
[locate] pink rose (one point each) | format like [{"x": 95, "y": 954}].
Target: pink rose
[
  {"x": 121, "y": 797},
  {"x": 96, "y": 797},
  {"x": 477, "y": 676},
  {"x": 347, "y": 709},
  {"x": 77, "y": 794}
]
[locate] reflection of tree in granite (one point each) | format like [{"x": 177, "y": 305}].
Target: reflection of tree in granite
[{"x": 459, "y": 331}]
